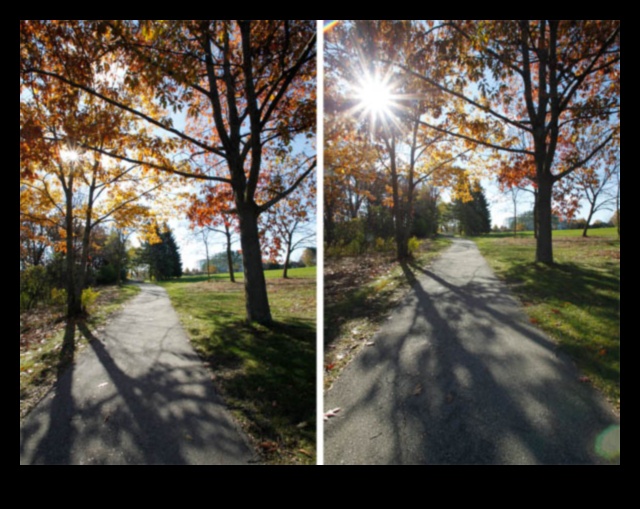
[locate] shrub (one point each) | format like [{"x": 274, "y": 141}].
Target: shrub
[
  {"x": 384, "y": 245},
  {"x": 414, "y": 244},
  {"x": 33, "y": 287},
  {"x": 58, "y": 297},
  {"x": 88, "y": 299},
  {"x": 350, "y": 235}
]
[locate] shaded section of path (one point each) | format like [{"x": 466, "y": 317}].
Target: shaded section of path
[
  {"x": 458, "y": 375},
  {"x": 139, "y": 394}
]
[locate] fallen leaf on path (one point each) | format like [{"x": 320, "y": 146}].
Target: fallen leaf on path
[
  {"x": 302, "y": 451},
  {"x": 331, "y": 413},
  {"x": 369, "y": 343},
  {"x": 418, "y": 390},
  {"x": 329, "y": 367}
]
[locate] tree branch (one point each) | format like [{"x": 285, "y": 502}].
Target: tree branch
[{"x": 286, "y": 193}]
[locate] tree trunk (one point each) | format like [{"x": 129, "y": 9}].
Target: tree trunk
[
  {"x": 586, "y": 226},
  {"x": 287, "y": 258},
  {"x": 544, "y": 244},
  {"x": 74, "y": 304},
  {"x": 329, "y": 223},
  {"x": 255, "y": 285},
  {"x": 232, "y": 276},
  {"x": 618, "y": 206},
  {"x": 402, "y": 241},
  {"x": 535, "y": 214},
  {"x": 206, "y": 252}
]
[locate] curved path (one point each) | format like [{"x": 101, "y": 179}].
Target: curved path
[
  {"x": 137, "y": 395},
  {"x": 458, "y": 375}
]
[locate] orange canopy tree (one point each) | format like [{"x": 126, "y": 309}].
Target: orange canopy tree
[
  {"x": 553, "y": 83},
  {"x": 251, "y": 84},
  {"x": 71, "y": 191}
]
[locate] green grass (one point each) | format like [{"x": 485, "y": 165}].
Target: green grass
[
  {"x": 302, "y": 272},
  {"x": 606, "y": 233},
  {"x": 576, "y": 301},
  {"x": 266, "y": 374},
  {"x": 46, "y": 338}
]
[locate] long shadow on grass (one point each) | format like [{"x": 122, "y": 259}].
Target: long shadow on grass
[
  {"x": 268, "y": 373},
  {"x": 568, "y": 282},
  {"x": 594, "y": 292}
]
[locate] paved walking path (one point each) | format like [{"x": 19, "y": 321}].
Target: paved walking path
[
  {"x": 458, "y": 375},
  {"x": 139, "y": 394}
]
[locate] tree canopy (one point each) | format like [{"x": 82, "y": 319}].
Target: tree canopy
[{"x": 245, "y": 87}]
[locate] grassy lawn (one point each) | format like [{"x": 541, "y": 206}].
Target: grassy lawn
[
  {"x": 360, "y": 292},
  {"x": 44, "y": 332},
  {"x": 576, "y": 301},
  {"x": 266, "y": 375}
]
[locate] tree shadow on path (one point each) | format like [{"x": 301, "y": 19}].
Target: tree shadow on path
[
  {"x": 458, "y": 376},
  {"x": 99, "y": 414}
]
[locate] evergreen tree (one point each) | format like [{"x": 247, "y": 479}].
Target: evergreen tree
[
  {"x": 163, "y": 257},
  {"x": 473, "y": 216}
]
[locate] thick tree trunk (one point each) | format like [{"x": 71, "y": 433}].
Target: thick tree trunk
[
  {"x": 544, "y": 244},
  {"x": 402, "y": 241},
  {"x": 255, "y": 285},
  {"x": 402, "y": 244},
  {"x": 74, "y": 304}
]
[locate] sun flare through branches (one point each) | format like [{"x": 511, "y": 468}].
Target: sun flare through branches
[{"x": 375, "y": 98}]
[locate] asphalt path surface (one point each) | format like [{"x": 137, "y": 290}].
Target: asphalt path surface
[
  {"x": 138, "y": 394},
  {"x": 458, "y": 375}
]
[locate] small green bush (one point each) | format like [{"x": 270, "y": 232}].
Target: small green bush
[
  {"x": 58, "y": 297},
  {"x": 414, "y": 244},
  {"x": 89, "y": 296},
  {"x": 384, "y": 245}
]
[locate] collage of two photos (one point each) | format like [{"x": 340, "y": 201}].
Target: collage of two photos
[{"x": 319, "y": 242}]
